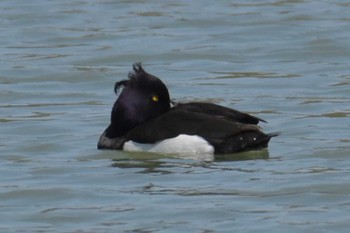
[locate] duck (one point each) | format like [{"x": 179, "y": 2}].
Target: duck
[{"x": 144, "y": 118}]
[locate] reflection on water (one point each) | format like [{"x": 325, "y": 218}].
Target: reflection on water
[
  {"x": 143, "y": 162},
  {"x": 250, "y": 155},
  {"x": 255, "y": 154},
  {"x": 154, "y": 162}
]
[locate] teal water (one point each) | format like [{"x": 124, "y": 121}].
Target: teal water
[{"x": 284, "y": 61}]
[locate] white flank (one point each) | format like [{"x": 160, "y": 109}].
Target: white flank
[{"x": 182, "y": 145}]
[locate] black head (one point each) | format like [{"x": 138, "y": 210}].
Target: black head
[{"x": 143, "y": 97}]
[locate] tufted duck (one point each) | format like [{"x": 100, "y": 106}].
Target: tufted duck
[{"x": 143, "y": 118}]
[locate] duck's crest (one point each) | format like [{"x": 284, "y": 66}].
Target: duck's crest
[
  {"x": 138, "y": 71},
  {"x": 120, "y": 84},
  {"x": 133, "y": 75}
]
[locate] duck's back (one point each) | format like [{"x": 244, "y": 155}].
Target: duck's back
[
  {"x": 222, "y": 130},
  {"x": 219, "y": 111}
]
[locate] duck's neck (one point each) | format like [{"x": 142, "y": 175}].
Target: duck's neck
[
  {"x": 123, "y": 119},
  {"x": 119, "y": 126}
]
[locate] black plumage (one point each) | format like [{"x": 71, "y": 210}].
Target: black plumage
[{"x": 142, "y": 113}]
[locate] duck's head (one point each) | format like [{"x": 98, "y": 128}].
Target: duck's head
[{"x": 142, "y": 98}]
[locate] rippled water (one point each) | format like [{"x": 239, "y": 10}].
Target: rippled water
[{"x": 285, "y": 61}]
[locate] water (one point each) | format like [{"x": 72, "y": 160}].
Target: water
[{"x": 285, "y": 61}]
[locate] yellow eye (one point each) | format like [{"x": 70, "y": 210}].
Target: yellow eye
[{"x": 155, "y": 98}]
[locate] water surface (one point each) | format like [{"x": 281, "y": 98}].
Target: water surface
[{"x": 284, "y": 61}]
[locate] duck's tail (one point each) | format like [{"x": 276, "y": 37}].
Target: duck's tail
[
  {"x": 275, "y": 134},
  {"x": 261, "y": 141},
  {"x": 250, "y": 140}
]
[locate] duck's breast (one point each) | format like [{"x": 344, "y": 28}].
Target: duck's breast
[{"x": 180, "y": 145}]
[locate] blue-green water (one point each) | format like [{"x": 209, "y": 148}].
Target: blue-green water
[{"x": 284, "y": 61}]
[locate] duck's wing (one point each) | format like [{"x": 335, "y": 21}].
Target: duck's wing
[
  {"x": 226, "y": 136},
  {"x": 217, "y": 110}
]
